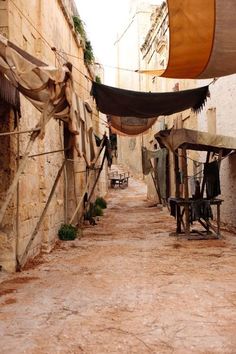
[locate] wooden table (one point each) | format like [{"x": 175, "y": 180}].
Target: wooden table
[{"x": 178, "y": 206}]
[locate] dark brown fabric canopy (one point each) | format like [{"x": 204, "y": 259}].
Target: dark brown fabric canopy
[{"x": 125, "y": 103}]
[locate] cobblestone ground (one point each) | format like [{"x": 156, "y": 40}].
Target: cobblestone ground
[{"x": 125, "y": 287}]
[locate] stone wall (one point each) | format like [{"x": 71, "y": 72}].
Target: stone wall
[
  {"x": 8, "y": 145},
  {"x": 37, "y": 26},
  {"x": 218, "y": 116}
]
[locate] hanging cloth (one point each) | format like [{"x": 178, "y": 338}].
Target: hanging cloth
[
  {"x": 212, "y": 177},
  {"x": 130, "y": 104}
]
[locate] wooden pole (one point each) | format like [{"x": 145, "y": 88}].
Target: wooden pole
[
  {"x": 186, "y": 196},
  {"x": 204, "y": 178},
  {"x": 85, "y": 189},
  {"x": 65, "y": 194},
  {"x": 177, "y": 191},
  {"x": 17, "y": 192},
  {"x": 36, "y": 229},
  {"x": 220, "y": 158},
  {"x": 17, "y": 132},
  {"x": 177, "y": 181},
  {"x": 97, "y": 178},
  {"x": 75, "y": 189},
  {"x": 48, "y": 152},
  {"x": 81, "y": 199}
]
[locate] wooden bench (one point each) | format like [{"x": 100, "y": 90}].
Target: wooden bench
[{"x": 120, "y": 179}]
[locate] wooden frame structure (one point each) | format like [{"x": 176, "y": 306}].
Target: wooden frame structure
[{"x": 179, "y": 141}]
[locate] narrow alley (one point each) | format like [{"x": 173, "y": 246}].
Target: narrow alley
[{"x": 125, "y": 287}]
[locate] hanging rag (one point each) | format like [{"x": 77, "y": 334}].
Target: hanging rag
[
  {"x": 147, "y": 155},
  {"x": 212, "y": 178},
  {"x": 200, "y": 209},
  {"x": 161, "y": 171}
]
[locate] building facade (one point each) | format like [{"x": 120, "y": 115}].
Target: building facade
[
  {"x": 129, "y": 57},
  {"x": 218, "y": 117}
]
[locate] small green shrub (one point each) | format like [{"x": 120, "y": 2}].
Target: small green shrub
[
  {"x": 101, "y": 202},
  {"x": 97, "y": 211},
  {"x": 88, "y": 49},
  {"x": 98, "y": 79},
  {"x": 88, "y": 52},
  {"x": 67, "y": 232},
  {"x": 79, "y": 26}
]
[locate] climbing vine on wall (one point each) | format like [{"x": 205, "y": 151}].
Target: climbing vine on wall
[{"x": 88, "y": 50}]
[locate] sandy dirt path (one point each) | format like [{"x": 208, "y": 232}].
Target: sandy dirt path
[{"x": 125, "y": 287}]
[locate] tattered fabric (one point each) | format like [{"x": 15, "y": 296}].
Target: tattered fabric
[
  {"x": 160, "y": 173},
  {"x": 8, "y": 93},
  {"x": 129, "y": 104},
  {"x": 48, "y": 88},
  {"x": 195, "y": 140}
]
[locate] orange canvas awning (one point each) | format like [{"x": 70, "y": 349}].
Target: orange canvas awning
[
  {"x": 202, "y": 39},
  {"x": 130, "y": 126}
]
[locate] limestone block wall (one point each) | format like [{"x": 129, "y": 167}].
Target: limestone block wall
[
  {"x": 37, "y": 26},
  {"x": 8, "y": 163},
  {"x": 4, "y": 17}
]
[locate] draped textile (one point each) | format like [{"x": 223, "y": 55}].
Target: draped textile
[
  {"x": 130, "y": 125},
  {"x": 212, "y": 177},
  {"x": 147, "y": 166},
  {"x": 127, "y": 103},
  {"x": 8, "y": 93},
  {"x": 202, "y": 39},
  {"x": 195, "y": 140},
  {"x": 48, "y": 88},
  {"x": 133, "y": 112},
  {"x": 147, "y": 155}
]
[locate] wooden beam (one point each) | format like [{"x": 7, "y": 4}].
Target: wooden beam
[
  {"x": 97, "y": 178},
  {"x": 85, "y": 189},
  {"x": 177, "y": 181},
  {"x": 186, "y": 193},
  {"x": 204, "y": 178},
  {"x": 17, "y": 132}
]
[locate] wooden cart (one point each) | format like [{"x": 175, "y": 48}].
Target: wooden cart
[{"x": 119, "y": 179}]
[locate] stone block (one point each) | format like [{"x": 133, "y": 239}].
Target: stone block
[
  {"x": 3, "y": 5},
  {"x": 7, "y": 252},
  {"x": 3, "y": 18}
]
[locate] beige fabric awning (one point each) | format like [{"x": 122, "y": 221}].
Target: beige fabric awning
[
  {"x": 195, "y": 140},
  {"x": 49, "y": 89}
]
